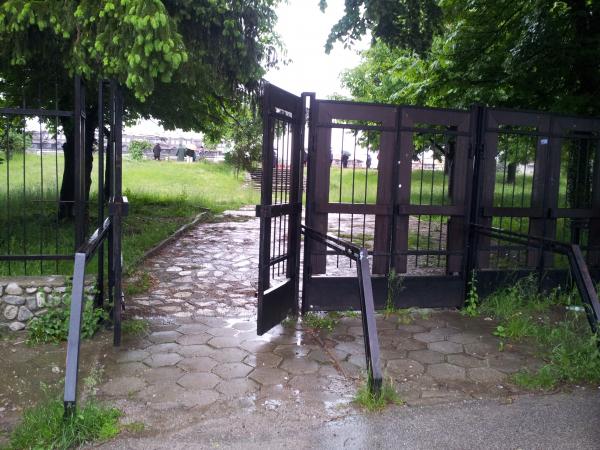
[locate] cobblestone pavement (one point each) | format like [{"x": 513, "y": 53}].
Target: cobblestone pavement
[
  {"x": 210, "y": 271},
  {"x": 203, "y": 351}
]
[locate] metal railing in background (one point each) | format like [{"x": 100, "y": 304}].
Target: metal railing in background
[
  {"x": 367, "y": 306},
  {"x": 578, "y": 268}
]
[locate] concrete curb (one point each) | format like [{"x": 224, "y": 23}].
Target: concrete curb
[{"x": 158, "y": 247}]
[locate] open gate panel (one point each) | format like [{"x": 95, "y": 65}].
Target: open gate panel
[{"x": 280, "y": 208}]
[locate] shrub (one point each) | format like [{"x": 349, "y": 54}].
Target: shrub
[
  {"x": 53, "y": 326},
  {"x": 137, "y": 148}
]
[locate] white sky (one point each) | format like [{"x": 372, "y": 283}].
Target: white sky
[{"x": 304, "y": 30}]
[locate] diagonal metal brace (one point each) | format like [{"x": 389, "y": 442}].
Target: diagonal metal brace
[{"x": 367, "y": 306}]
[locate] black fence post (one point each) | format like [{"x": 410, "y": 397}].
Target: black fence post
[
  {"x": 99, "y": 300},
  {"x": 79, "y": 159},
  {"x": 309, "y": 207},
  {"x": 116, "y": 209}
]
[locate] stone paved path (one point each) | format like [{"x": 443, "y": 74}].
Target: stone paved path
[
  {"x": 203, "y": 354},
  {"x": 203, "y": 360},
  {"x": 209, "y": 271}
]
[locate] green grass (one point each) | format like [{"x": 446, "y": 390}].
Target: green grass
[
  {"x": 135, "y": 327},
  {"x": 561, "y": 337},
  {"x": 45, "y": 427},
  {"x": 138, "y": 283},
  {"x": 162, "y": 196},
  {"x": 371, "y": 401},
  {"x": 428, "y": 187},
  {"x": 320, "y": 321}
]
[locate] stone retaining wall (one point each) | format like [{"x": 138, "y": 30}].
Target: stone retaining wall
[{"x": 23, "y": 298}]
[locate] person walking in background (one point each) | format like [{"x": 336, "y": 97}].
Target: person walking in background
[
  {"x": 190, "y": 153},
  {"x": 156, "y": 151}
]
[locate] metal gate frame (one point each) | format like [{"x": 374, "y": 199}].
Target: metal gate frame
[
  {"x": 475, "y": 133},
  {"x": 475, "y": 139}
]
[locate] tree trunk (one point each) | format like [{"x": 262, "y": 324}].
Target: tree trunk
[
  {"x": 511, "y": 173},
  {"x": 67, "y": 190}
]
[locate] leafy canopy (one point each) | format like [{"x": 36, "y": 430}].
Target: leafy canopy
[
  {"x": 539, "y": 54},
  {"x": 184, "y": 62}
]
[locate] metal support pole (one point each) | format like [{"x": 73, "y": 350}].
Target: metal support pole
[
  {"x": 474, "y": 200},
  {"x": 309, "y": 209},
  {"x": 74, "y": 339},
  {"x": 368, "y": 321}
]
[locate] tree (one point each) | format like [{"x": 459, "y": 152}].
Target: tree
[
  {"x": 405, "y": 24},
  {"x": 244, "y": 132},
  {"x": 137, "y": 149},
  {"x": 185, "y": 63},
  {"x": 538, "y": 54}
]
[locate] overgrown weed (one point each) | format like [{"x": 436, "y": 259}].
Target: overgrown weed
[
  {"x": 135, "y": 327},
  {"x": 45, "y": 426},
  {"x": 372, "y": 401},
  {"x": 560, "y": 333},
  {"x": 320, "y": 321}
]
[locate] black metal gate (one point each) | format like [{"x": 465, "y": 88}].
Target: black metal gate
[{"x": 281, "y": 207}]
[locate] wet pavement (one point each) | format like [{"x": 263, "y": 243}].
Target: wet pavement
[{"x": 203, "y": 361}]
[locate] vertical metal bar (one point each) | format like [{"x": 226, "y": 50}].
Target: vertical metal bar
[
  {"x": 117, "y": 213},
  {"x": 99, "y": 300},
  {"x": 74, "y": 339},
  {"x": 24, "y": 200},
  {"x": 474, "y": 195},
  {"x": 8, "y": 209},
  {"x": 79, "y": 207},
  {"x": 56, "y": 194},
  {"x": 110, "y": 162},
  {"x": 337, "y": 262},
  {"x": 295, "y": 198},
  {"x": 43, "y": 204},
  {"x": 310, "y": 159}
]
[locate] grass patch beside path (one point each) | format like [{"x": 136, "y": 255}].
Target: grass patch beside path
[
  {"x": 45, "y": 427},
  {"x": 162, "y": 196},
  {"x": 555, "y": 324}
]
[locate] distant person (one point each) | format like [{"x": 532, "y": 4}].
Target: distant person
[
  {"x": 180, "y": 153},
  {"x": 345, "y": 158},
  {"x": 156, "y": 151},
  {"x": 190, "y": 153},
  {"x": 368, "y": 161}
]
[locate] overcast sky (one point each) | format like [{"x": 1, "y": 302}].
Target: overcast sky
[{"x": 304, "y": 30}]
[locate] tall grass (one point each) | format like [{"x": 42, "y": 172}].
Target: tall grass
[
  {"x": 560, "y": 333},
  {"x": 162, "y": 196}
]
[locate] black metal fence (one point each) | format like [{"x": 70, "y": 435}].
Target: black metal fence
[{"x": 36, "y": 236}]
